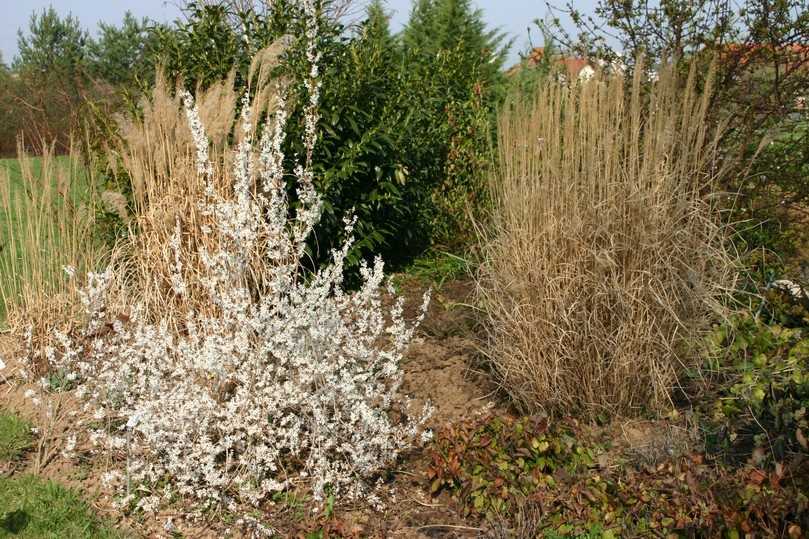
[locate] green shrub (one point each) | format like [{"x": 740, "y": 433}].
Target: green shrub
[
  {"x": 214, "y": 38},
  {"x": 761, "y": 384}
]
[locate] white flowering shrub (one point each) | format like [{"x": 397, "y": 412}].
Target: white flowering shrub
[{"x": 287, "y": 378}]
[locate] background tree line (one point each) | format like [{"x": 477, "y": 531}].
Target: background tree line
[
  {"x": 61, "y": 72},
  {"x": 406, "y": 117}
]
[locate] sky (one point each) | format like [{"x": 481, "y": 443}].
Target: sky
[{"x": 511, "y": 16}]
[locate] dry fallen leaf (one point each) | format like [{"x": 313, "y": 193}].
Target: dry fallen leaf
[{"x": 757, "y": 477}]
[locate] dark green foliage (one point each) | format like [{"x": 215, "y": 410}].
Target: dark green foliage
[
  {"x": 773, "y": 191},
  {"x": 437, "y": 26},
  {"x": 362, "y": 155},
  {"x": 203, "y": 49},
  {"x": 215, "y": 38},
  {"x": 453, "y": 84},
  {"x": 376, "y": 27},
  {"x": 63, "y": 78},
  {"x": 125, "y": 55},
  {"x": 53, "y": 45},
  {"x": 42, "y": 101},
  {"x": 405, "y": 129},
  {"x": 399, "y": 130}
]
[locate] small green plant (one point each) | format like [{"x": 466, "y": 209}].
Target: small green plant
[
  {"x": 34, "y": 508},
  {"x": 15, "y": 436},
  {"x": 491, "y": 464},
  {"x": 436, "y": 267},
  {"x": 59, "y": 381},
  {"x": 296, "y": 503},
  {"x": 763, "y": 385}
]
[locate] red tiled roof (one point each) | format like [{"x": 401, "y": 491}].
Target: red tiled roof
[
  {"x": 792, "y": 55},
  {"x": 572, "y": 65}
]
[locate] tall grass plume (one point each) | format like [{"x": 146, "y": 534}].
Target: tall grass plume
[
  {"x": 47, "y": 215},
  {"x": 606, "y": 257}
]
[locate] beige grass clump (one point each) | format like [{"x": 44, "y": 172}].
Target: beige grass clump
[
  {"x": 158, "y": 154},
  {"x": 157, "y": 145},
  {"x": 47, "y": 218},
  {"x": 606, "y": 257}
]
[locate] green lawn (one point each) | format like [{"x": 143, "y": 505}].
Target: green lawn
[
  {"x": 79, "y": 180},
  {"x": 33, "y": 508}
]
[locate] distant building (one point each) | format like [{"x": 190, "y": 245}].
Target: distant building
[
  {"x": 577, "y": 69},
  {"x": 789, "y": 58},
  {"x": 569, "y": 67}
]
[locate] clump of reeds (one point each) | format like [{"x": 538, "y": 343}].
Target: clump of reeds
[
  {"x": 47, "y": 215},
  {"x": 606, "y": 257}
]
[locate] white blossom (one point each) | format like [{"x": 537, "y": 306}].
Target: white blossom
[{"x": 287, "y": 377}]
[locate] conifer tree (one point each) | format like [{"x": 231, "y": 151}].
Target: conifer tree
[
  {"x": 125, "y": 53},
  {"x": 416, "y": 35},
  {"x": 377, "y": 24},
  {"x": 452, "y": 70},
  {"x": 53, "y": 44},
  {"x": 455, "y": 26}
]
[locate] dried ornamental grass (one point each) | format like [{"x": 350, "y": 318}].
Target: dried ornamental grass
[
  {"x": 158, "y": 153},
  {"x": 47, "y": 214},
  {"x": 606, "y": 257}
]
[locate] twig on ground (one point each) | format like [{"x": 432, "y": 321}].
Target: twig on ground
[
  {"x": 423, "y": 504},
  {"x": 449, "y": 527}
]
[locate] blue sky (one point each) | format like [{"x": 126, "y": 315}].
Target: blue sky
[{"x": 512, "y": 16}]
